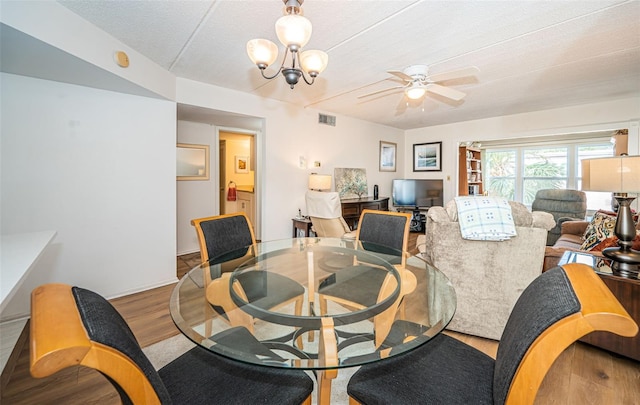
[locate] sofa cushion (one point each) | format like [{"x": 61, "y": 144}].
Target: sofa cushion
[
  {"x": 600, "y": 228},
  {"x": 569, "y": 241}
]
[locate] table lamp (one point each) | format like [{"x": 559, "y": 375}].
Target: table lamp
[
  {"x": 620, "y": 175},
  {"x": 319, "y": 182}
]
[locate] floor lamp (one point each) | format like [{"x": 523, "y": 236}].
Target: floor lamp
[{"x": 620, "y": 175}]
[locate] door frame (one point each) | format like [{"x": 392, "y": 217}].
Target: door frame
[{"x": 258, "y": 166}]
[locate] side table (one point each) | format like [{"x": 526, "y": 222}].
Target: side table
[
  {"x": 302, "y": 228},
  {"x": 627, "y": 291}
]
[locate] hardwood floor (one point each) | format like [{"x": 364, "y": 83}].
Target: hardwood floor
[{"x": 582, "y": 375}]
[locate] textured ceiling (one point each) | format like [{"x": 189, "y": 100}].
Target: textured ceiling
[{"x": 532, "y": 55}]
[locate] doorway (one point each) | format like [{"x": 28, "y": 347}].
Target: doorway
[{"x": 237, "y": 165}]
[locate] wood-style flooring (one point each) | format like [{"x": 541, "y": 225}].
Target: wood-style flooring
[{"x": 582, "y": 375}]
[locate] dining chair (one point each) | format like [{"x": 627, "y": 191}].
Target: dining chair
[
  {"x": 72, "y": 326},
  {"x": 555, "y": 310},
  {"x": 325, "y": 211},
  {"x": 228, "y": 237},
  {"x": 382, "y": 233}
]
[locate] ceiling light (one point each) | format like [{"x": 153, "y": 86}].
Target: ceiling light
[
  {"x": 293, "y": 31},
  {"x": 415, "y": 92}
]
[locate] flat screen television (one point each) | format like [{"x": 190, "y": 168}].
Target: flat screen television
[{"x": 417, "y": 193}]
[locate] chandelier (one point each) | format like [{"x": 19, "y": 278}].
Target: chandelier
[{"x": 293, "y": 31}]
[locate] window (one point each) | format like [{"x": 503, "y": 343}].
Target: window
[
  {"x": 501, "y": 168},
  {"x": 518, "y": 172},
  {"x": 544, "y": 168}
]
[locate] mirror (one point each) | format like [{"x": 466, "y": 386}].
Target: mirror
[{"x": 192, "y": 162}]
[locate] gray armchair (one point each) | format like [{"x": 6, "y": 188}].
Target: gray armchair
[
  {"x": 488, "y": 276},
  {"x": 564, "y": 205}
]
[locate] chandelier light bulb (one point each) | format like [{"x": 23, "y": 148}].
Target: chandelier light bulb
[
  {"x": 262, "y": 52},
  {"x": 314, "y": 62},
  {"x": 294, "y": 31}
]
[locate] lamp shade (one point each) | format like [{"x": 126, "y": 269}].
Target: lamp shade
[
  {"x": 293, "y": 30},
  {"x": 619, "y": 174},
  {"x": 319, "y": 181},
  {"x": 314, "y": 62},
  {"x": 415, "y": 92},
  {"x": 262, "y": 51}
]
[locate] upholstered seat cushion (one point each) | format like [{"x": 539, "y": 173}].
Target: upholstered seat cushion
[
  {"x": 201, "y": 377},
  {"x": 257, "y": 283},
  {"x": 464, "y": 375},
  {"x": 355, "y": 283}
]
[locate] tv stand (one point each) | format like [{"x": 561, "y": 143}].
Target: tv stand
[
  {"x": 418, "y": 219},
  {"x": 353, "y": 207}
]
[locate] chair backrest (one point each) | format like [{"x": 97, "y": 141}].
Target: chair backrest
[
  {"x": 223, "y": 234},
  {"x": 554, "y": 311},
  {"x": 384, "y": 229},
  {"x": 323, "y": 204},
  {"x": 73, "y": 326},
  {"x": 560, "y": 203},
  {"x": 325, "y": 211}
]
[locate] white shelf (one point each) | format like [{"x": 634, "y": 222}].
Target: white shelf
[{"x": 19, "y": 253}]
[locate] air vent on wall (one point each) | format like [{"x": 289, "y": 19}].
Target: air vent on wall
[{"x": 327, "y": 119}]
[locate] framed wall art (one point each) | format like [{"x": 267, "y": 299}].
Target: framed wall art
[
  {"x": 388, "y": 156},
  {"x": 242, "y": 164},
  {"x": 192, "y": 162},
  {"x": 427, "y": 157}
]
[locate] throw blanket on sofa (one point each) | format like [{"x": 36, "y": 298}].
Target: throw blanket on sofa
[{"x": 485, "y": 218}]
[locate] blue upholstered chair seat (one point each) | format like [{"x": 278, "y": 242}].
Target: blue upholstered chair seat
[
  {"x": 257, "y": 283},
  {"x": 200, "y": 377},
  {"x": 466, "y": 373},
  {"x": 355, "y": 283}
]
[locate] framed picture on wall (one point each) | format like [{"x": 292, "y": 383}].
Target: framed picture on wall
[
  {"x": 388, "y": 156},
  {"x": 242, "y": 164},
  {"x": 427, "y": 157}
]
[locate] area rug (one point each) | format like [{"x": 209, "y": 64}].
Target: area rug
[{"x": 167, "y": 350}]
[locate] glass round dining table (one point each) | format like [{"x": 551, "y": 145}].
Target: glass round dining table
[{"x": 314, "y": 304}]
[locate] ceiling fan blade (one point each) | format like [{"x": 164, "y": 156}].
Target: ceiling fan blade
[
  {"x": 445, "y": 91},
  {"x": 401, "y": 75},
  {"x": 380, "y": 91},
  {"x": 453, "y": 74}
]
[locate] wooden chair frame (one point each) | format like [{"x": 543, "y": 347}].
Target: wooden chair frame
[
  {"x": 405, "y": 237},
  {"x": 383, "y": 322},
  {"x": 600, "y": 311},
  {"x": 217, "y": 291},
  {"x": 61, "y": 341}
]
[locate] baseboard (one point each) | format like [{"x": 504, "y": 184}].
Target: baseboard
[{"x": 145, "y": 288}]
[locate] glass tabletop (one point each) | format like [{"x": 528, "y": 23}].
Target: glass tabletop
[{"x": 288, "y": 303}]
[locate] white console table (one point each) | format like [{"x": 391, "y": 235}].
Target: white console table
[{"x": 18, "y": 254}]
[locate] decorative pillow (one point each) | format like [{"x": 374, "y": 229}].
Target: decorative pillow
[
  {"x": 602, "y": 226},
  {"x": 613, "y": 242}
]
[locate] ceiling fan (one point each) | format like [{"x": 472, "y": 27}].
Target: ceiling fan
[{"x": 418, "y": 82}]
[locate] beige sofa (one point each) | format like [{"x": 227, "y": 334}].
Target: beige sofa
[{"x": 488, "y": 276}]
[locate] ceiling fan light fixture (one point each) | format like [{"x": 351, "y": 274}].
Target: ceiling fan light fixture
[
  {"x": 293, "y": 31},
  {"x": 262, "y": 52},
  {"x": 415, "y": 92}
]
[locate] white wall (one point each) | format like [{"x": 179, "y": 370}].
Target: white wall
[
  {"x": 616, "y": 114},
  {"x": 290, "y": 132},
  {"x": 98, "y": 167},
  {"x": 195, "y": 199}
]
